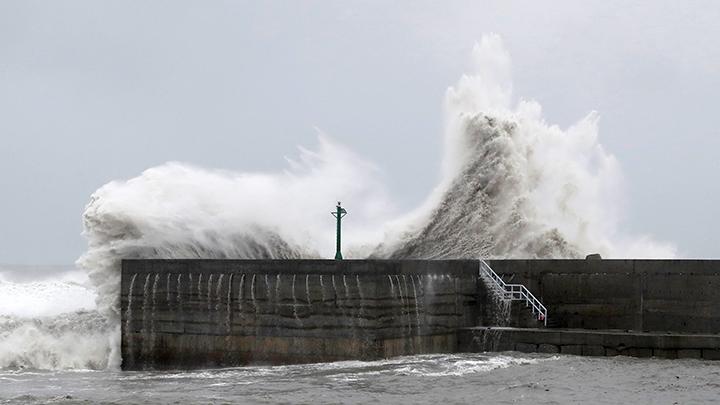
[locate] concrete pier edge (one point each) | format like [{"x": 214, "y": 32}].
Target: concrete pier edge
[{"x": 589, "y": 342}]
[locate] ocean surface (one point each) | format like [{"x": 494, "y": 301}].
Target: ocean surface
[{"x": 498, "y": 378}]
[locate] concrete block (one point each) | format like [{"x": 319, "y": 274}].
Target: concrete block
[
  {"x": 526, "y": 347},
  {"x": 593, "y": 350},
  {"x": 642, "y": 352},
  {"x": 665, "y": 353},
  {"x": 689, "y": 354},
  {"x": 711, "y": 354},
  {"x": 548, "y": 348},
  {"x": 611, "y": 352},
  {"x": 571, "y": 349}
]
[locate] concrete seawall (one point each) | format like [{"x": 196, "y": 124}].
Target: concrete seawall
[
  {"x": 210, "y": 313},
  {"x": 583, "y": 342},
  {"x": 641, "y": 295},
  {"x": 205, "y": 313}
]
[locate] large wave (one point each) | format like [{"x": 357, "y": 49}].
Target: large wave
[
  {"x": 50, "y": 321},
  {"x": 513, "y": 186},
  {"x": 181, "y": 211}
]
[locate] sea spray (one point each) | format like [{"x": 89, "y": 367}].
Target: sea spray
[
  {"x": 512, "y": 186},
  {"x": 178, "y": 210},
  {"x": 72, "y": 340}
]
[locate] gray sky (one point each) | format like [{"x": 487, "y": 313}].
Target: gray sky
[{"x": 91, "y": 91}]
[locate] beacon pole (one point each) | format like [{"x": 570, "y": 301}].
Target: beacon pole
[{"x": 339, "y": 213}]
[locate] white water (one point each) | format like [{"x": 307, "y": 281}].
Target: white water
[
  {"x": 240, "y": 292},
  {"x": 64, "y": 292},
  {"x": 513, "y": 186}
]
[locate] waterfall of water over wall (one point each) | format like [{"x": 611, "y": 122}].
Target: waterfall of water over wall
[{"x": 255, "y": 314}]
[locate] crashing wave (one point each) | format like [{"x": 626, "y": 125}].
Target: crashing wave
[
  {"x": 486, "y": 210},
  {"x": 76, "y": 340},
  {"x": 513, "y": 187},
  {"x": 179, "y": 211}
]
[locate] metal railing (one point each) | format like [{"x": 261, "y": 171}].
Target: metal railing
[{"x": 513, "y": 292}]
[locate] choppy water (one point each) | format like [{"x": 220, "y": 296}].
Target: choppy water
[{"x": 503, "y": 378}]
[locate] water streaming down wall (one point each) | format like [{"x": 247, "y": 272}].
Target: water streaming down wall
[
  {"x": 382, "y": 313},
  {"x": 370, "y": 309}
]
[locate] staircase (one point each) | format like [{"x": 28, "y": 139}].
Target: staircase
[{"x": 512, "y": 292}]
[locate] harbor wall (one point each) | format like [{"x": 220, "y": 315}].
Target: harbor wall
[
  {"x": 641, "y": 295},
  {"x": 211, "y": 313},
  {"x": 584, "y": 342}
]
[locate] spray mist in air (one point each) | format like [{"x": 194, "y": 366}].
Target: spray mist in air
[{"x": 513, "y": 186}]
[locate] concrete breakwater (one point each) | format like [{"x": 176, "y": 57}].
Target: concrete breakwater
[
  {"x": 210, "y": 313},
  {"x": 584, "y": 342},
  {"x": 640, "y": 295},
  {"x": 204, "y": 313}
]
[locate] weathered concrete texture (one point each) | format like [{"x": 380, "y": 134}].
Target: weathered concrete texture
[
  {"x": 197, "y": 313},
  {"x": 204, "y": 313},
  {"x": 640, "y": 295},
  {"x": 173, "y": 351},
  {"x": 590, "y": 342}
]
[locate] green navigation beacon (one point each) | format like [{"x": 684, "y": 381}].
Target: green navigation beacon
[{"x": 338, "y": 213}]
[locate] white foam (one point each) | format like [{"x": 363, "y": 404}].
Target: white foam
[
  {"x": 44, "y": 298},
  {"x": 68, "y": 341},
  {"x": 513, "y": 186}
]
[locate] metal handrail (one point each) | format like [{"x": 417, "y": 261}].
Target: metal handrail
[{"x": 514, "y": 292}]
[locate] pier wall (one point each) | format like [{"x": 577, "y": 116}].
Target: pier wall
[
  {"x": 210, "y": 313},
  {"x": 583, "y": 342},
  {"x": 641, "y": 295}
]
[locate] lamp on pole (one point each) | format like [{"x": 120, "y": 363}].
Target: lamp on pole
[{"x": 339, "y": 213}]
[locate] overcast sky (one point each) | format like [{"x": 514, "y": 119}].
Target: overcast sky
[{"x": 92, "y": 91}]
